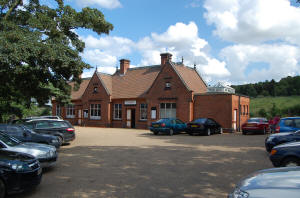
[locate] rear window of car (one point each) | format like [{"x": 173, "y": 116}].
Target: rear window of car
[
  {"x": 256, "y": 120},
  {"x": 200, "y": 120},
  {"x": 163, "y": 120},
  {"x": 58, "y": 124}
]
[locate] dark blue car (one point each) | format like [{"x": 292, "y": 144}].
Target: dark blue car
[
  {"x": 18, "y": 172},
  {"x": 25, "y": 134},
  {"x": 168, "y": 126},
  {"x": 288, "y": 124},
  {"x": 280, "y": 138},
  {"x": 287, "y": 154}
]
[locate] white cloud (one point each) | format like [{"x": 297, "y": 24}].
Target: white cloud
[
  {"x": 109, "y": 4},
  {"x": 181, "y": 40},
  {"x": 281, "y": 61},
  {"x": 254, "y": 21}
]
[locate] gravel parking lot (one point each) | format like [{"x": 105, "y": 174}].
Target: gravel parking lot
[{"x": 104, "y": 162}]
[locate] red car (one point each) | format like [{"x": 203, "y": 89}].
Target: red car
[{"x": 256, "y": 125}]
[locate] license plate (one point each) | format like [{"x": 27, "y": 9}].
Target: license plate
[
  {"x": 194, "y": 126},
  {"x": 39, "y": 171},
  {"x": 155, "y": 125}
]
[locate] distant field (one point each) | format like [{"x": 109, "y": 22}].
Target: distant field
[{"x": 267, "y": 102}]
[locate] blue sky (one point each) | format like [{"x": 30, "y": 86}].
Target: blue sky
[{"x": 234, "y": 41}]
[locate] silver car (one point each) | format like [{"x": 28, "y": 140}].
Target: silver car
[{"x": 46, "y": 154}]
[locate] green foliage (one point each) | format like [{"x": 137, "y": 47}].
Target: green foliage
[
  {"x": 262, "y": 113},
  {"x": 285, "y": 87},
  {"x": 40, "y": 51},
  {"x": 282, "y": 106}
]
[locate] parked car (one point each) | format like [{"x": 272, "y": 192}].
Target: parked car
[
  {"x": 256, "y": 125},
  {"x": 280, "y": 138},
  {"x": 288, "y": 124},
  {"x": 18, "y": 172},
  {"x": 46, "y": 154},
  {"x": 25, "y": 134},
  {"x": 205, "y": 126},
  {"x": 287, "y": 154},
  {"x": 168, "y": 125},
  {"x": 62, "y": 129},
  {"x": 269, "y": 183}
]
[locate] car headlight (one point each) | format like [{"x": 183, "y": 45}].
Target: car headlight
[
  {"x": 20, "y": 167},
  {"x": 240, "y": 194},
  {"x": 54, "y": 141},
  {"x": 269, "y": 139},
  {"x": 42, "y": 155}
]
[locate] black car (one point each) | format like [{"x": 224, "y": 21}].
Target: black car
[
  {"x": 25, "y": 134},
  {"x": 18, "y": 172},
  {"x": 62, "y": 129},
  {"x": 287, "y": 154},
  {"x": 270, "y": 183},
  {"x": 205, "y": 126},
  {"x": 280, "y": 138}
]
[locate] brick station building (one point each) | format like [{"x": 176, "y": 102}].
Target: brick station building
[{"x": 135, "y": 97}]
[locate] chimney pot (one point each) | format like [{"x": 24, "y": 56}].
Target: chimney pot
[
  {"x": 124, "y": 66},
  {"x": 165, "y": 57}
]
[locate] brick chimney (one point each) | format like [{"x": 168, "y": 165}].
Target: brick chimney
[
  {"x": 165, "y": 57},
  {"x": 124, "y": 66}
]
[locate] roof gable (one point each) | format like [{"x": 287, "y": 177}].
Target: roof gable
[{"x": 75, "y": 95}]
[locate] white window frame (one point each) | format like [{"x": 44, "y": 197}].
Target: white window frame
[
  {"x": 58, "y": 110},
  {"x": 143, "y": 111},
  {"x": 169, "y": 112},
  {"x": 117, "y": 111},
  {"x": 70, "y": 113},
  {"x": 95, "y": 111}
]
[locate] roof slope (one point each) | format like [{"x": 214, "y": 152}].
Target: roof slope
[
  {"x": 135, "y": 82},
  {"x": 191, "y": 78},
  {"x": 77, "y": 94}
]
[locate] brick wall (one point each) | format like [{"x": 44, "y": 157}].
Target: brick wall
[
  {"x": 221, "y": 108},
  {"x": 178, "y": 94}
]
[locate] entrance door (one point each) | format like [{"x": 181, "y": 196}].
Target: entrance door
[
  {"x": 234, "y": 119},
  {"x": 128, "y": 122},
  {"x": 130, "y": 118},
  {"x": 79, "y": 117}
]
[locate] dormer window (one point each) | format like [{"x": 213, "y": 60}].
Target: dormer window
[
  {"x": 168, "y": 85},
  {"x": 95, "y": 90}
]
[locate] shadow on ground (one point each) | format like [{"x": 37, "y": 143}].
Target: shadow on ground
[{"x": 97, "y": 171}]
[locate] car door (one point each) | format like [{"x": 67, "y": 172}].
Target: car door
[
  {"x": 211, "y": 124},
  {"x": 180, "y": 125},
  {"x": 42, "y": 126},
  {"x": 287, "y": 125}
]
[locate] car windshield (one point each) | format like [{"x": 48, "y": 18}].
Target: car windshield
[
  {"x": 200, "y": 120},
  {"x": 255, "y": 120},
  {"x": 163, "y": 120},
  {"x": 8, "y": 140}
]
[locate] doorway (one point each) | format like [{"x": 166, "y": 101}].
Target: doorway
[{"x": 130, "y": 122}]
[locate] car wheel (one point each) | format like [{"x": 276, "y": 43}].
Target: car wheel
[
  {"x": 60, "y": 140},
  {"x": 208, "y": 132},
  {"x": 290, "y": 162},
  {"x": 244, "y": 133},
  {"x": 171, "y": 132},
  {"x": 2, "y": 189},
  {"x": 221, "y": 130},
  {"x": 190, "y": 133},
  {"x": 155, "y": 132}
]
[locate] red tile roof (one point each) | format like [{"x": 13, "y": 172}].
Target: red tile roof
[
  {"x": 136, "y": 82},
  {"x": 77, "y": 94}
]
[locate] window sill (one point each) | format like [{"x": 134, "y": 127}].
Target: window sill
[
  {"x": 143, "y": 120},
  {"x": 95, "y": 118},
  {"x": 117, "y": 119},
  {"x": 70, "y": 116}
]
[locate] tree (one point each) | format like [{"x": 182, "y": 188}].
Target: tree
[
  {"x": 40, "y": 51},
  {"x": 262, "y": 112}
]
